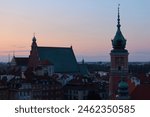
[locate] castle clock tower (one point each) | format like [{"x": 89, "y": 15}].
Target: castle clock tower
[{"x": 119, "y": 61}]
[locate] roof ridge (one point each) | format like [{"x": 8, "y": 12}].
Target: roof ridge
[
  {"x": 51, "y": 47},
  {"x": 21, "y": 57}
]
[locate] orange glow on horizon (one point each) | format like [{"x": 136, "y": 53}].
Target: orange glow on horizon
[{"x": 87, "y": 26}]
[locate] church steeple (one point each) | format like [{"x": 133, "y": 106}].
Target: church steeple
[
  {"x": 33, "y": 57},
  {"x": 34, "y": 44},
  {"x": 118, "y": 25},
  {"x": 119, "y": 42},
  {"x": 34, "y": 39}
]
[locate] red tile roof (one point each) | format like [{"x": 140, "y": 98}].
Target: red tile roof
[
  {"x": 131, "y": 86},
  {"x": 141, "y": 92}
]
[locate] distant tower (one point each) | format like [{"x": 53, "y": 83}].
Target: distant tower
[
  {"x": 119, "y": 61},
  {"x": 33, "y": 57},
  {"x": 123, "y": 93}
]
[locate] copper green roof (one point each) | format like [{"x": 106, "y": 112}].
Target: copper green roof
[
  {"x": 123, "y": 84},
  {"x": 119, "y": 51},
  {"x": 119, "y": 42},
  {"x": 63, "y": 58}
]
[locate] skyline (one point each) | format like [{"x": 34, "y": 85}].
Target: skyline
[{"x": 87, "y": 26}]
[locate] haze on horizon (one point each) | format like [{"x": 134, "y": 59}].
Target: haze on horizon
[{"x": 87, "y": 25}]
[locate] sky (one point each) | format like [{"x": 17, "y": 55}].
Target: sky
[{"x": 87, "y": 25}]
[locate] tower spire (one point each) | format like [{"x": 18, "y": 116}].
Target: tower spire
[
  {"x": 118, "y": 25},
  {"x": 34, "y": 34},
  {"x": 34, "y": 38}
]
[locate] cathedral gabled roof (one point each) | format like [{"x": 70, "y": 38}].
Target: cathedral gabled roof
[{"x": 63, "y": 58}]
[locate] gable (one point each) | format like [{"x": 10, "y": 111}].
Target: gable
[{"x": 63, "y": 58}]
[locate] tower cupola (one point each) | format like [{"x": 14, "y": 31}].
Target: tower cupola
[
  {"x": 34, "y": 44},
  {"x": 119, "y": 42}
]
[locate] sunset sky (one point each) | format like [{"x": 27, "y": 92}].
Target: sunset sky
[{"x": 87, "y": 25}]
